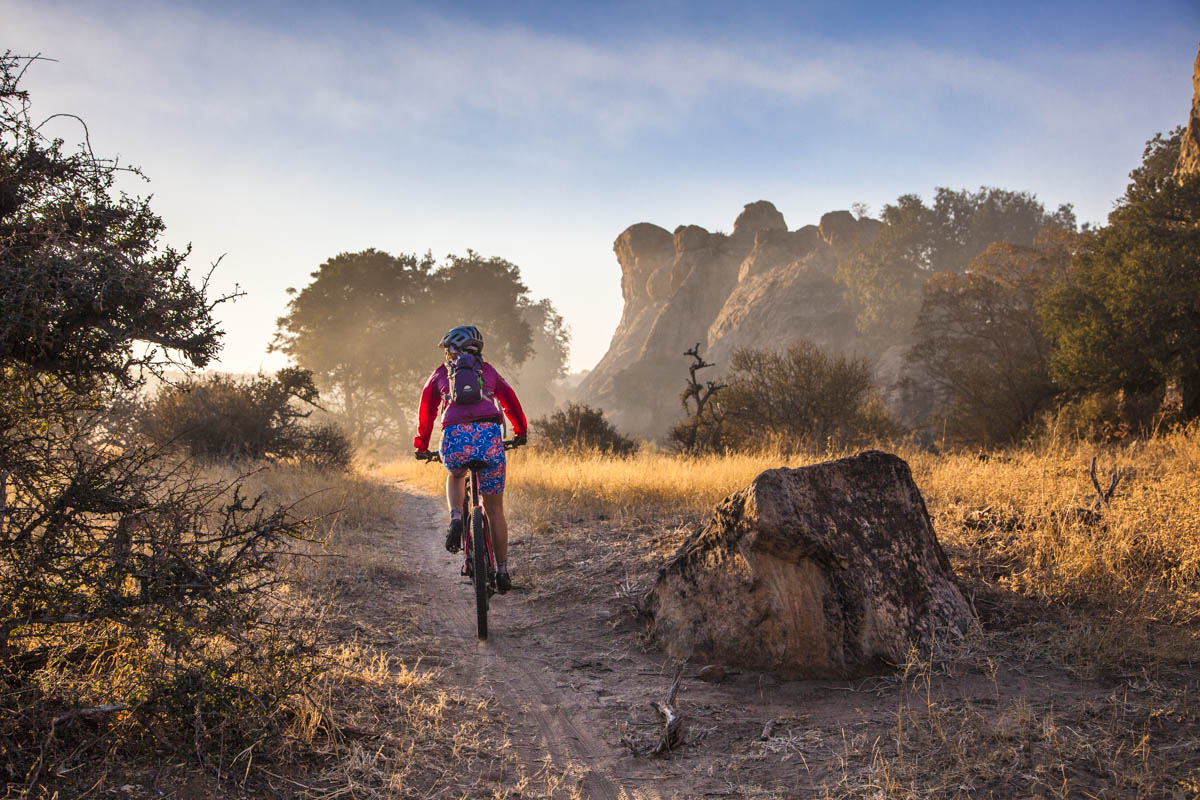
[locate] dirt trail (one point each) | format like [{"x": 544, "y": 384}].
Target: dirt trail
[{"x": 512, "y": 664}]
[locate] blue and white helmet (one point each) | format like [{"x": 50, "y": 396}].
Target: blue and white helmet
[{"x": 463, "y": 337}]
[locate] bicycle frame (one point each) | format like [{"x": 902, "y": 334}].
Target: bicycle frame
[
  {"x": 473, "y": 500},
  {"x": 480, "y": 566}
]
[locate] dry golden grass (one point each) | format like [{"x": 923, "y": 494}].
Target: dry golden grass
[
  {"x": 546, "y": 485},
  {"x": 1132, "y": 742},
  {"x": 332, "y": 499},
  {"x": 1142, "y": 553},
  {"x": 1016, "y": 512}
]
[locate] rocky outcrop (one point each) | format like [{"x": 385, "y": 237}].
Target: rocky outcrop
[
  {"x": 761, "y": 286},
  {"x": 1189, "y": 151},
  {"x": 759, "y": 217},
  {"x": 828, "y": 571}
]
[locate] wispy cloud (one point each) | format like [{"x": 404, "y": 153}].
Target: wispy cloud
[{"x": 185, "y": 63}]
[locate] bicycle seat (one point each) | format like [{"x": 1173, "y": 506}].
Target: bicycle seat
[{"x": 476, "y": 465}]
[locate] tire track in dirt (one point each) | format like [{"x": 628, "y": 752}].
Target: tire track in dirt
[{"x": 510, "y": 671}]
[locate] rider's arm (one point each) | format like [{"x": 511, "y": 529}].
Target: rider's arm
[
  {"x": 511, "y": 405},
  {"x": 431, "y": 402}
]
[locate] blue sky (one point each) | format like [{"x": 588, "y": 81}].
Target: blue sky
[{"x": 280, "y": 134}]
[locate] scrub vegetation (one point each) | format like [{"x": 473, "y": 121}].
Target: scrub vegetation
[
  {"x": 1097, "y": 596},
  {"x": 214, "y": 585}
]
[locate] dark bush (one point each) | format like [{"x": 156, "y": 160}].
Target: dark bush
[
  {"x": 324, "y": 446},
  {"x": 1113, "y": 416},
  {"x": 802, "y": 398},
  {"x": 581, "y": 427},
  {"x": 219, "y": 417},
  {"x": 136, "y": 598}
]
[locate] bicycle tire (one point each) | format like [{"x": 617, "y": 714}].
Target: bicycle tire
[{"x": 479, "y": 558}]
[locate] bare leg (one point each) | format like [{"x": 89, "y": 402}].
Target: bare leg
[
  {"x": 493, "y": 506},
  {"x": 456, "y": 489}
]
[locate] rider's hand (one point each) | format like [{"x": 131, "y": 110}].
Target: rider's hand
[
  {"x": 422, "y": 455},
  {"x": 519, "y": 441}
]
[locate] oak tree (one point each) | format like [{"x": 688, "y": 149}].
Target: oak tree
[
  {"x": 918, "y": 240},
  {"x": 369, "y": 323},
  {"x": 1129, "y": 315},
  {"x": 979, "y": 338}
]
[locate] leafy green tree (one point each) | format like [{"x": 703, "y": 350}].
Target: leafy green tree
[
  {"x": 361, "y": 328},
  {"x": 917, "y": 241},
  {"x": 487, "y": 293},
  {"x": 368, "y": 325},
  {"x": 1129, "y": 315},
  {"x": 979, "y": 337},
  {"x": 1159, "y": 158}
]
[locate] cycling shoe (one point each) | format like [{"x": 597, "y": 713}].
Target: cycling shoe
[{"x": 454, "y": 536}]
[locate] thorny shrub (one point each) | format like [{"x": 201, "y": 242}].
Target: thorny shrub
[
  {"x": 135, "y": 593},
  {"x": 579, "y": 428},
  {"x": 136, "y": 597},
  {"x": 263, "y": 417},
  {"x": 802, "y": 398}
]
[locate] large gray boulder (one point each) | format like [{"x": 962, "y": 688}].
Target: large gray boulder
[{"x": 827, "y": 571}]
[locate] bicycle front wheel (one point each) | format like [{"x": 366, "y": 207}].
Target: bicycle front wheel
[{"x": 480, "y": 566}]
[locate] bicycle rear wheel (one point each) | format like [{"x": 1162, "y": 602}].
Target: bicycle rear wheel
[{"x": 480, "y": 566}]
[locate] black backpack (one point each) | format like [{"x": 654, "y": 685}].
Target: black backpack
[{"x": 466, "y": 379}]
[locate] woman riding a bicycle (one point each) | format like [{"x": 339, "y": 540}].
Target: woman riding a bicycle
[{"x": 467, "y": 389}]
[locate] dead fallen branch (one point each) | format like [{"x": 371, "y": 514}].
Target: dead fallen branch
[
  {"x": 672, "y": 722},
  {"x": 96, "y": 711},
  {"x": 671, "y": 734},
  {"x": 1105, "y": 495}
]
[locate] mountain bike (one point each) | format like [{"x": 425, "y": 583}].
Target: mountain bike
[{"x": 480, "y": 563}]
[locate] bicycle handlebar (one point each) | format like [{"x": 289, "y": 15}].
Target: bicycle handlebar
[{"x": 428, "y": 456}]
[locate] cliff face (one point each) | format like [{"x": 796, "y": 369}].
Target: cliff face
[
  {"x": 1189, "y": 152},
  {"x": 761, "y": 286}
]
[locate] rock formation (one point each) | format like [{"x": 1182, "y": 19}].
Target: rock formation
[
  {"x": 761, "y": 286},
  {"x": 1189, "y": 151},
  {"x": 828, "y": 571}
]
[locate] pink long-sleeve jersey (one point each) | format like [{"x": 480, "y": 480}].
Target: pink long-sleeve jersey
[{"x": 436, "y": 396}]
